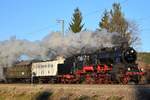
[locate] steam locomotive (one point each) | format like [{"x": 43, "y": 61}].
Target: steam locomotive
[
  {"x": 108, "y": 65},
  {"x": 104, "y": 66}
]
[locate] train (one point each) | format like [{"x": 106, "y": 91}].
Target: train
[{"x": 110, "y": 65}]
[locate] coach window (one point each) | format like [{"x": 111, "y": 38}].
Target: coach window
[
  {"x": 48, "y": 72},
  {"x": 42, "y": 72},
  {"x": 52, "y": 71}
]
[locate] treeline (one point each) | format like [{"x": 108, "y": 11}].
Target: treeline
[
  {"x": 113, "y": 21},
  {"x": 144, "y": 57}
]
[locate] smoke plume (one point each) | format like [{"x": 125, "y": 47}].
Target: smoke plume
[
  {"x": 53, "y": 45},
  {"x": 74, "y": 43}
]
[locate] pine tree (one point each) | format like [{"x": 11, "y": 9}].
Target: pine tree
[
  {"x": 75, "y": 25},
  {"x": 119, "y": 24},
  {"x": 116, "y": 22},
  {"x": 104, "y": 24}
]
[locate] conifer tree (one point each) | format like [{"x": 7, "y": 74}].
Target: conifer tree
[
  {"x": 118, "y": 22},
  {"x": 76, "y": 24},
  {"x": 114, "y": 21},
  {"x": 104, "y": 24}
]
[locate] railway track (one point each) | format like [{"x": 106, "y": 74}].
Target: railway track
[
  {"x": 84, "y": 85},
  {"x": 78, "y": 86}
]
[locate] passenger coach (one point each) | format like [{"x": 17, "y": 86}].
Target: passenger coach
[{"x": 46, "y": 71}]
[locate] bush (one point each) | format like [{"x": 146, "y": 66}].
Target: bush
[
  {"x": 84, "y": 97},
  {"x": 115, "y": 98}
]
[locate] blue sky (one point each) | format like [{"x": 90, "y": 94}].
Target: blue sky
[{"x": 34, "y": 19}]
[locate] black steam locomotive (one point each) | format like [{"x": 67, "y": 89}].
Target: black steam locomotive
[{"x": 107, "y": 65}]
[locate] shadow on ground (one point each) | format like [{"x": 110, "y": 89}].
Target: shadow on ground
[
  {"x": 142, "y": 92},
  {"x": 45, "y": 95}
]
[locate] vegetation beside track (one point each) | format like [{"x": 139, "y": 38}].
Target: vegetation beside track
[
  {"x": 144, "y": 62},
  {"x": 73, "y": 92},
  {"x": 144, "y": 57}
]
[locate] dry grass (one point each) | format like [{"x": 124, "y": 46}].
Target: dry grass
[{"x": 72, "y": 92}]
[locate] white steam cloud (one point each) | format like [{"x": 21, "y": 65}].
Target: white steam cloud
[
  {"x": 52, "y": 45},
  {"x": 75, "y": 43}
]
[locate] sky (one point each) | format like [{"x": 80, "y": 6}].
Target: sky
[{"x": 34, "y": 19}]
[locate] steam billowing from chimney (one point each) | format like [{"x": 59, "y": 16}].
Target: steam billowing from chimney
[
  {"x": 74, "y": 43},
  {"x": 52, "y": 45}
]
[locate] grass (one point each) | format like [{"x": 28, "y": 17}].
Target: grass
[
  {"x": 69, "y": 92},
  {"x": 14, "y": 96},
  {"x": 83, "y": 97},
  {"x": 95, "y": 97},
  {"x": 115, "y": 98},
  {"x": 2, "y": 98},
  {"x": 144, "y": 57}
]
